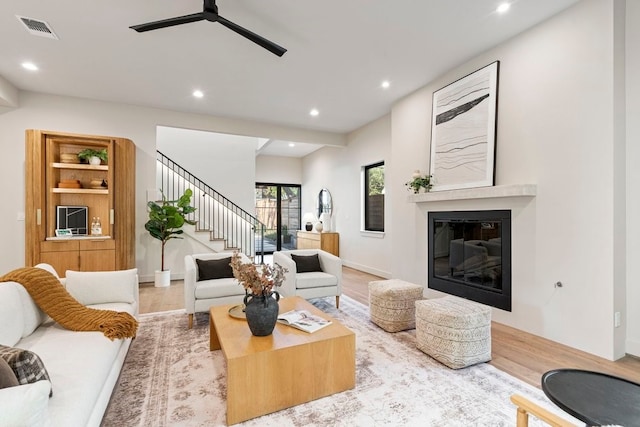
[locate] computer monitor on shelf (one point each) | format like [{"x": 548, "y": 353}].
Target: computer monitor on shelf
[{"x": 74, "y": 218}]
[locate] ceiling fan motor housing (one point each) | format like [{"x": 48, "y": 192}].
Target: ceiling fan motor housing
[{"x": 210, "y": 10}]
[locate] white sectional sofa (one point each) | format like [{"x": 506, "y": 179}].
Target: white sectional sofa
[{"x": 83, "y": 366}]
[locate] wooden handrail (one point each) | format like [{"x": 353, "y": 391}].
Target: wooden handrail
[{"x": 526, "y": 407}]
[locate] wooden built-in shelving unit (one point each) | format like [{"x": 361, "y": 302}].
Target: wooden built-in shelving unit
[{"x": 114, "y": 204}]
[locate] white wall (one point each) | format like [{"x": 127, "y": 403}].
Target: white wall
[
  {"x": 633, "y": 176},
  {"x": 619, "y": 179},
  {"x": 224, "y": 162},
  {"x": 279, "y": 170},
  {"x": 338, "y": 170},
  {"x": 555, "y": 129},
  {"x": 67, "y": 114},
  {"x": 8, "y": 95}
]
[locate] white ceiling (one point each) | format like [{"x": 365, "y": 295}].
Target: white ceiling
[
  {"x": 339, "y": 51},
  {"x": 278, "y": 148}
]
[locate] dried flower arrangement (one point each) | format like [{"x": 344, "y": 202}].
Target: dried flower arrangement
[{"x": 257, "y": 280}]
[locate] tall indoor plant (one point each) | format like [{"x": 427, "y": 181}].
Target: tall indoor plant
[{"x": 165, "y": 223}]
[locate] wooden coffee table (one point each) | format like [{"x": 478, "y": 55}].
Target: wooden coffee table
[{"x": 284, "y": 369}]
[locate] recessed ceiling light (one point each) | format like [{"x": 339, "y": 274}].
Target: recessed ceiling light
[
  {"x": 503, "y": 7},
  {"x": 314, "y": 112},
  {"x": 291, "y": 144},
  {"x": 198, "y": 93},
  {"x": 29, "y": 66},
  {"x": 385, "y": 84}
]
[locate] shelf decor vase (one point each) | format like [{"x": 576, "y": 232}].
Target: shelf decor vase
[
  {"x": 262, "y": 313},
  {"x": 94, "y": 160}
]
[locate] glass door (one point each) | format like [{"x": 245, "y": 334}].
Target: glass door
[
  {"x": 278, "y": 208},
  {"x": 289, "y": 216}
]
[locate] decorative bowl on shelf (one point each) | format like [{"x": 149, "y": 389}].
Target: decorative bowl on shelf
[
  {"x": 69, "y": 158},
  {"x": 98, "y": 184}
]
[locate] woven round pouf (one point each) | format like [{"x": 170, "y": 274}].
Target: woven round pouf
[
  {"x": 454, "y": 331},
  {"x": 392, "y": 304}
]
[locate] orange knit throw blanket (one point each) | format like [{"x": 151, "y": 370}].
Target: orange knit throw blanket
[{"x": 47, "y": 291}]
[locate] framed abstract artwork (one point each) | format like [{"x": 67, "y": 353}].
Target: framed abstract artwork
[{"x": 463, "y": 131}]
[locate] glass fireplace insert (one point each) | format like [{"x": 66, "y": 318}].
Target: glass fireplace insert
[{"x": 470, "y": 255}]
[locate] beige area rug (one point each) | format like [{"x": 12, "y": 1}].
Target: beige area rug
[{"x": 170, "y": 378}]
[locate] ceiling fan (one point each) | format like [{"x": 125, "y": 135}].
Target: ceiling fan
[{"x": 210, "y": 13}]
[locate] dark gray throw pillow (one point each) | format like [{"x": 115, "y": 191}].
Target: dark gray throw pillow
[
  {"x": 7, "y": 377},
  {"x": 214, "y": 268},
  {"x": 26, "y": 365},
  {"x": 306, "y": 263}
]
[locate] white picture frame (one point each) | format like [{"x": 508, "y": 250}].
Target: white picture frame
[{"x": 463, "y": 131}]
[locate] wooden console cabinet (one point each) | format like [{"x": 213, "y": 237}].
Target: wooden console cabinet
[
  {"x": 47, "y": 175},
  {"x": 328, "y": 242}
]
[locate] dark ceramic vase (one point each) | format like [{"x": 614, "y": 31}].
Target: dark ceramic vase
[{"x": 262, "y": 313}]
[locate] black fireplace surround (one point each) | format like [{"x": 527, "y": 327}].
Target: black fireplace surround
[{"x": 470, "y": 255}]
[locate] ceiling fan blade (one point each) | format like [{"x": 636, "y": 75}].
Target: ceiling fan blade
[
  {"x": 269, "y": 45},
  {"x": 168, "y": 22}
]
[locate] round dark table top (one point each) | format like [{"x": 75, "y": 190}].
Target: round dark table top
[{"x": 593, "y": 397}]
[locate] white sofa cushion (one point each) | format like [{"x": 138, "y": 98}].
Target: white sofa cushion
[
  {"x": 11, "y": 314},
  {"x": 49, "y": 268},
  {"x": 216, "y": 288},
  {"x": 25, "y": 405},
  {"x": 32, "y": 316},
  {"x": 315, "y": 279},
  {"x": 96, "y": 287},
  {"x": 132, "y": 309}
]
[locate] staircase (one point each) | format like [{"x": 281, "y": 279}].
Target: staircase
[{"x": 228, "y": 226}]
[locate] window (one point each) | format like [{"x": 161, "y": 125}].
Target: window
[{"x": 374, "y": 197}]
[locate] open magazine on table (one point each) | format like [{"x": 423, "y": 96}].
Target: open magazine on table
[{"x": 303, "y": 320}]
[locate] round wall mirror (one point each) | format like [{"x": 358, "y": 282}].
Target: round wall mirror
[{"x": 325, "y": 205}]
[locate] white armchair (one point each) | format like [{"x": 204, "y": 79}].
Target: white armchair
[
  {"x": 200, "y": 295},
  {"x": 314, "y": 284}
]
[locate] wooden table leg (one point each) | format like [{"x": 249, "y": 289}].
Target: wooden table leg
[{"x": 214, "y": 343}]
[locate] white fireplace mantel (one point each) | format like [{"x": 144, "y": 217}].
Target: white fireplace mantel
[{"x": 497, "y": 191}]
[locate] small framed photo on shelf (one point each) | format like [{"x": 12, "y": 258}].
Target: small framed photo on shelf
[{"x": 63, "y": 232}]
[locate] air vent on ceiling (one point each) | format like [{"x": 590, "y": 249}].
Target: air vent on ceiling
[{"x": 37, "y": 27}]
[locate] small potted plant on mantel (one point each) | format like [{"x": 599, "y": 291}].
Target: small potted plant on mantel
[
  {"x": 418, "y": 181},
  {"x": 165, "y": 223},
  {"x": 92, "y": 156}
]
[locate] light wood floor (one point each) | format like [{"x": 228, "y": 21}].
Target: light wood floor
[{"x": 518, "y": 353}]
